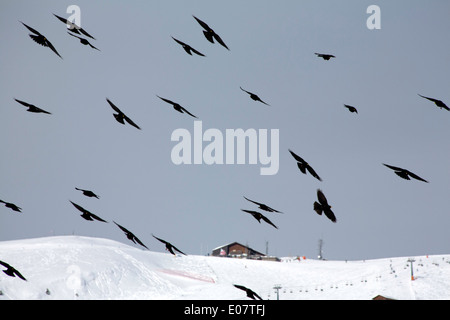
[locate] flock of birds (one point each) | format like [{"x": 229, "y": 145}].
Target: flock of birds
[{"x": 320, "y": 206}]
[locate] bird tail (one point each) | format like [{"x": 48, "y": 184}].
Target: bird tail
[{"x": 318, "y": 208}]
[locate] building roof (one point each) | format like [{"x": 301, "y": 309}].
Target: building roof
[{"x": 235, "y": 242}]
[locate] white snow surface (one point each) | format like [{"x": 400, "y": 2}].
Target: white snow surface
[{"x": 72, "y": 267}]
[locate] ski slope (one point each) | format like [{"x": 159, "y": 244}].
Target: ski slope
[{"x": 72, "y": 267}]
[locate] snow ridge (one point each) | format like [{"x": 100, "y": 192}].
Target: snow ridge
[{"x": 72, "y": 267}]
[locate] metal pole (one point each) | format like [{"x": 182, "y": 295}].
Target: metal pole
[
  {"x": 412, "y": 272},
  {"x": 277, "y": 287}
]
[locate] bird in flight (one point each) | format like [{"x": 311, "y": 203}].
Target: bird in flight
[
  {"x": 210, "y": 34},
  {"x": 262, "y": 206},
  {"x": 325, "y": 56},
  {"x": 12, "y": 206},
  {"x": 120, "y": 116},
  {"x": 11, "y": 271},
  {"x": 40, "y": 39},
  {"x": 84, "y": 41},
  {"x": 169, "y": 246},
  {"x": 73, "y": 27},
  {"x": 405, "y": 174},
  {"x": 258, "y": 216},
  {"x": 86, "y": 214},
  {"x": 439, "y": 103},
  {"x": 303, "y": 166},
  {"x": 131, "y": 236},
  {"x": 188, "y": 48},
  {"x": 250, "y": 293},
  {"x": 32, "y": 108},
  {"x": 177, "y": 107},
  {"x": 88, "y": 193},
  {"x": 323, "y": 206},
  {"x": 254, "y": 97},
  {"x": 351, "y": 108}
]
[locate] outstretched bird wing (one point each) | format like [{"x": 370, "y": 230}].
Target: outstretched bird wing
[
  {"x": 197, "y": 52},
  {"x": 140, "y": 242},
  {"x": 73, "y": 27},
  {"x": 114, "y": 106},
  {"x": 313, "y": 173},
  {"x": 322, "y": 199},
  {"x": 184, "y": 110},
  {"x": 26, "y": 104},
  {"x": 415, "y": 176},
  {"x": 297, "y": 157},
  {"x": 219, "y": 40},
  {"x": 49, "y": 44},
  {"x": 123, "y": 228},
  {"x": 131, "y": 122},
  {"x": 330, "y": 215},
  {"x": 268, "y": 221},
  {"x": 246, "y": 91},
  {"x": 97, "y": 218},
  {"x": 167, "y": 100},
  {"x": 394, "y": 168},
  {"x": 32, "y": 30},
  {"x": 80, "y": 208},
  {"x": 203, "y": 24}
]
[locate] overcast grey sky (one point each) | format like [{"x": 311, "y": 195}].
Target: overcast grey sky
[{"x": 272, "y": 46}]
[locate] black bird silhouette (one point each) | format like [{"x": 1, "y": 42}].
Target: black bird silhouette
[
  {"x": 258, "y": 216},
  {"x": 120, "y": 116},
  {"x": 210, "y": 34},
  {"x": 32, "y": 108},
  {"x": 12, "y": 206},
  {"x": 323, "y": 206},
  {"x": 250, "y": 293},
  {"x": 177, "y": 107},
  {"x": 40, "y": 39},
  {"x": 11, "y": 271},
  {"x": 325, "y": 56},
  {"x": 73, "y": 27},
  {"x": 88, "y": 193},
  {"x": 84, "y": 41},
  {"x": 405, "y": 174},
  {"x": 188, "y": 48},
  {"x": 303, "y": 166},
  {"x": 131, "y": 236},
  {"x": 169, "y": 246},
  {"x": 86, "y": 214},
  {"x": 254, "y": 97},
  {"x": 439, "y": 103},
  {"x": 262, "y": 206},
  {"x": 351, "y": 108}
]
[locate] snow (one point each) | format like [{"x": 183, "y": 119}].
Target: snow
[{"x": 72, "y": 267}]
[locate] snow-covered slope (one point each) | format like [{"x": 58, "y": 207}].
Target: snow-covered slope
[{"x": 73, "y": 267}]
